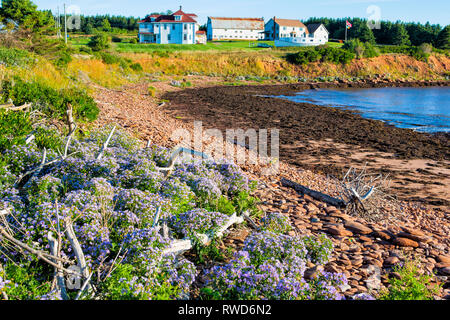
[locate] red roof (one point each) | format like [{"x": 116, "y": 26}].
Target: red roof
[{"x": 185, "y": 17}]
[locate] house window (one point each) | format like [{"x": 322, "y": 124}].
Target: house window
[
  {"x": 168, "y": 37},
  {"x": 185, "y": 37},
  {"x": 165, "y": 27},
  {"x": 173, "y": 27},
  {"x": 185, "y": 27}
]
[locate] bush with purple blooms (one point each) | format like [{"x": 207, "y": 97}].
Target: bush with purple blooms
[
  {"x": 276, "y": 222},
  {"x": 112, "y": 203},
  {"x": 270, "y": 266}
]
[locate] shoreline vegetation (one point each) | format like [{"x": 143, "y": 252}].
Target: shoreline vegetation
[{"x": 79, "y": 187}]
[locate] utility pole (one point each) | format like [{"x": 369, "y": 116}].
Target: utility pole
[
  {"x": 65, "y": 24},
  {"x": 346, "y": 28}
]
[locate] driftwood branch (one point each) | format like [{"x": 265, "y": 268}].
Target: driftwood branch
[
  {"x": 11, "y": 107},
  {"x": 180, "y": 246},
  {"x": 105, "y": 144},
  {"x": 59, "y": 276},
  {"x": 48, "y": 258},
  {"x": 69, "y": 115},
  {"x": 338, "y": 203}
]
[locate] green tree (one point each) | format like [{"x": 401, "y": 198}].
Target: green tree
[
  {"x": 443, "y": 39},
  {"x": 106, "y": 26},
  {"x": 399, "y": 35},
  {"x": 362, "y": 32},
  {"x": 99, "y": 42},
  {"x": 25, "y": 13},
  {"x": 17, "y": 10},
  {"x": 88, "y": 29}
]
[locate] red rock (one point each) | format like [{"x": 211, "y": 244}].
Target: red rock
[
  {"x": 414, "y": 237},
  {"x": 442, "y": 258},
  {"x": 414, "y": 232},
  {"x": 391, "y": 261},
  {"x": 445, "y": 271},
  {"x": 405, "y": 242},
  {"x": 357, "y": 227},
  {"x": 339, "y": 232},
  {"x": 382, "y": 235}
]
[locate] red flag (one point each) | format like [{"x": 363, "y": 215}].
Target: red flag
[{"x": 349, "y": 25}]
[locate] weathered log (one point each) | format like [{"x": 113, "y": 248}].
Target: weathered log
[{"x": 338, "y": 203}]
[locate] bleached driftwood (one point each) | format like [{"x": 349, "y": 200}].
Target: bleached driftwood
[
  {"x": 30, "y": 138},
  {"x": 76, "y": 247},
  {"x": 59, "y": 275},
  {"x": 69, "y": 116},
  {"x": 34, "y": 172},
  {"x": 12, "y": 107},
  {"x": 338, "y": 203},
  {"x": 250, "y": 220},
  {"x": 180, "y": 246},
  {"x": 105, "y": 144},
  {"x": 48, "y": 258}
]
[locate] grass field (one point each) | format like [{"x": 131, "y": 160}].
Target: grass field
[{"x": 127, "y": 47}]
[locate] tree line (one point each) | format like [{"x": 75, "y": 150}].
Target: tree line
[{"x": 389, "y": 33}]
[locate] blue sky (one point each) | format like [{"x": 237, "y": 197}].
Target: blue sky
[{"x": 435, "y": 11}]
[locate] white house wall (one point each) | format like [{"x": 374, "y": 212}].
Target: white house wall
[{"x": 234, "y": 34}]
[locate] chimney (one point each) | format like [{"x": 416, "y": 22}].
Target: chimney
[{"x": 181, "y": 8}]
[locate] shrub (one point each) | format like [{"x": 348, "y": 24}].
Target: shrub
[
  {"x": 50, "y": 101},
  {"x": 134, "y": 41},
  {"x": 14, "y": 127},
  {"x": 276, "y": 222},
  {"x": 11, "y": 57},
  {"x": 109, "y": 58},
  {"x": 321, "y": 53},
  {"x": 152, "y": 91},
  {"x": 270, "y": 266},
  {"x": 136, "y": 67},
  {"x": 99, "y": 42},
  {"x": 116, "y": 39},
  {"x": 361, "y": 49},
  {"x": 411, "y": 285}
]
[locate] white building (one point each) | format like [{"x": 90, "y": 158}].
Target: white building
[
  {"x": 316, "y": 35},
  {"x": 318, "y": 32},
  {"x": 284, "y": 28},
  {"x": 178, "y": 28},
  {"x": 219, "y": 28}
]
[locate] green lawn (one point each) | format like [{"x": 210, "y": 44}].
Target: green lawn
[
  {"x": 127, "y": 47},
  {"x": 215, "y": 45}
]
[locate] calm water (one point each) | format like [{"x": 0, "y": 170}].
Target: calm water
[{"x": 421, "y": 109}]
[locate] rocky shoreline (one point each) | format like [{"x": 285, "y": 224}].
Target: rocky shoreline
[
  {"x": 322, "y": 138},
  {"x": 362, "y": 249}
]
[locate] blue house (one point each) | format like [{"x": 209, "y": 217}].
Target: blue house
[{"x": 177, "y": 28}]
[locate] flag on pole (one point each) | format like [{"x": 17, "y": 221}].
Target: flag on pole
[{"x": 349, "y": 25}]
